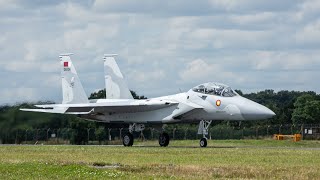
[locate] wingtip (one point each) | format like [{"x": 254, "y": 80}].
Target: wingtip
[
  {"x": 109, "y": 55},
  {"x": 65, "y": 54}
]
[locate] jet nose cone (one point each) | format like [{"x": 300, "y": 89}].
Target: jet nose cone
[
  {"x": 255, "y": 111},
  {"x": 266, "y": 112}
]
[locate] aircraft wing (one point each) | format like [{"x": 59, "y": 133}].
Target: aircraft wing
[{"x": 105, "y": 107}]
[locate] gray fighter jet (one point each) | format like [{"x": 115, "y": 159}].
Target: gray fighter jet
[{"x": 202, "y": 104}]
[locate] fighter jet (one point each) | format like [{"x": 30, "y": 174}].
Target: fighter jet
[{"x": 202, "y": 104}]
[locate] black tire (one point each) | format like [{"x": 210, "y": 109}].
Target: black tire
[
  {"x": 127, "y": 139},
  {"x": 164, "y": 140},
  {"x": 203, "y": 142}
]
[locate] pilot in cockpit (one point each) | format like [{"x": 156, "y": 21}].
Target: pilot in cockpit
[{"x": 215, "y": 89}]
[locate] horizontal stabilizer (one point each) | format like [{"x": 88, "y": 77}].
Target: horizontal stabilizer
[
  {"x": 56, "y": 110},
  {"x": 110, "y": 55},
  {"x": 66, "y": 54},
  {"x": 62, "y": 110},
  {"x": 126, "y": 106}
]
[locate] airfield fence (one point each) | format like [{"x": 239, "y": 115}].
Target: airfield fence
[{"x": 112, "y": 136}]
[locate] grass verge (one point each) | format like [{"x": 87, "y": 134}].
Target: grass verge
[{"x": 177, "y": 162}]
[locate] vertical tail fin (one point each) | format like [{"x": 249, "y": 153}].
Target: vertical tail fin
[
  {"x": 72, "y": 90},
  {"x": 116, "y": 87}
]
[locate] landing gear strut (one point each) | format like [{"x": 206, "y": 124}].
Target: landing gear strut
[
  {"x": 203, "y": 129},
  {"x": 164, "y": 139}
]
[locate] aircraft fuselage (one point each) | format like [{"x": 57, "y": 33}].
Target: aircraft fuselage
[{"x": 208, "y": 107}]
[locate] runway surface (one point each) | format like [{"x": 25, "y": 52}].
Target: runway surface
[{"x": 184, "y": 147}]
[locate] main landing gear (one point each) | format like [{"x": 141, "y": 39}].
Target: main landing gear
[
  {"x": 203, "y": 129},
  {"x": 164, "y": 139},
  {"x": 127, "y": 139}
]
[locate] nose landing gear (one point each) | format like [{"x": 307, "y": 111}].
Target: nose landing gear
[{"x": 203, "y": 129}]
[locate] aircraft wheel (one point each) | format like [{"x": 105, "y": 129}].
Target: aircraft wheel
[
  {"x": 164, "y": 140},
  {"x": 127, "y": 139},
  {"x": 203, "y": 142}
]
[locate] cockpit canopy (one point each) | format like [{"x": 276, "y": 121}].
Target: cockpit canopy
[{"x": 217, "y": 89}]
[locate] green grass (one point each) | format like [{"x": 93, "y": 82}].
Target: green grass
[{"x": 281, "y": 160}]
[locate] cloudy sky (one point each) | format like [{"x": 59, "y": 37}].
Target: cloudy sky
[{"x": 162, "y": 46}]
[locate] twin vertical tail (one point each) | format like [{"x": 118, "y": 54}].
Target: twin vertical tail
[
  {"x": 72, "y": 90},
  {"x": 116, "y": 87}
]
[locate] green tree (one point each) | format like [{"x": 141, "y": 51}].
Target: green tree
[
  {"x": 307, "y": 110},
  {"x": 239, "y": 92},
  {"x": 100, "y": 134},
  {"x": 80, "y": 133},
  {"x": 101, "y": 94}
]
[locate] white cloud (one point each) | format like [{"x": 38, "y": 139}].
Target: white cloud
[
  {"x": 310, "y": 33},
  {"x": 52, "y": 81},
  {"x": 226, "y": 4},
  {"x": 146, "y": 76},
  {"x": 162, "y": 46},
  {"x": 13, "y": 95},
  {"x": 36, "y": 67},
  {"x": 227, "y": 38},
  {"x": 7, "y": 4},
  {"x": 275, "y": 60},
  {"x": 308, "y": 9},
  {"x": 251, "y": 19},
  {"x": 199, "y": 70},
  {"x": 31, "y": 54},
  {"x": 89, "y": 37}
]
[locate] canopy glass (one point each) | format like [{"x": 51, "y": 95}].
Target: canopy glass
[{"x": 217, "y": 89}]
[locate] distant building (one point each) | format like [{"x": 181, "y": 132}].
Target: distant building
[{"x": 311, "y": 131}]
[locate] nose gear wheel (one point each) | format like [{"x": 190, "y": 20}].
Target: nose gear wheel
[{"x": 203, "y": 142}]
